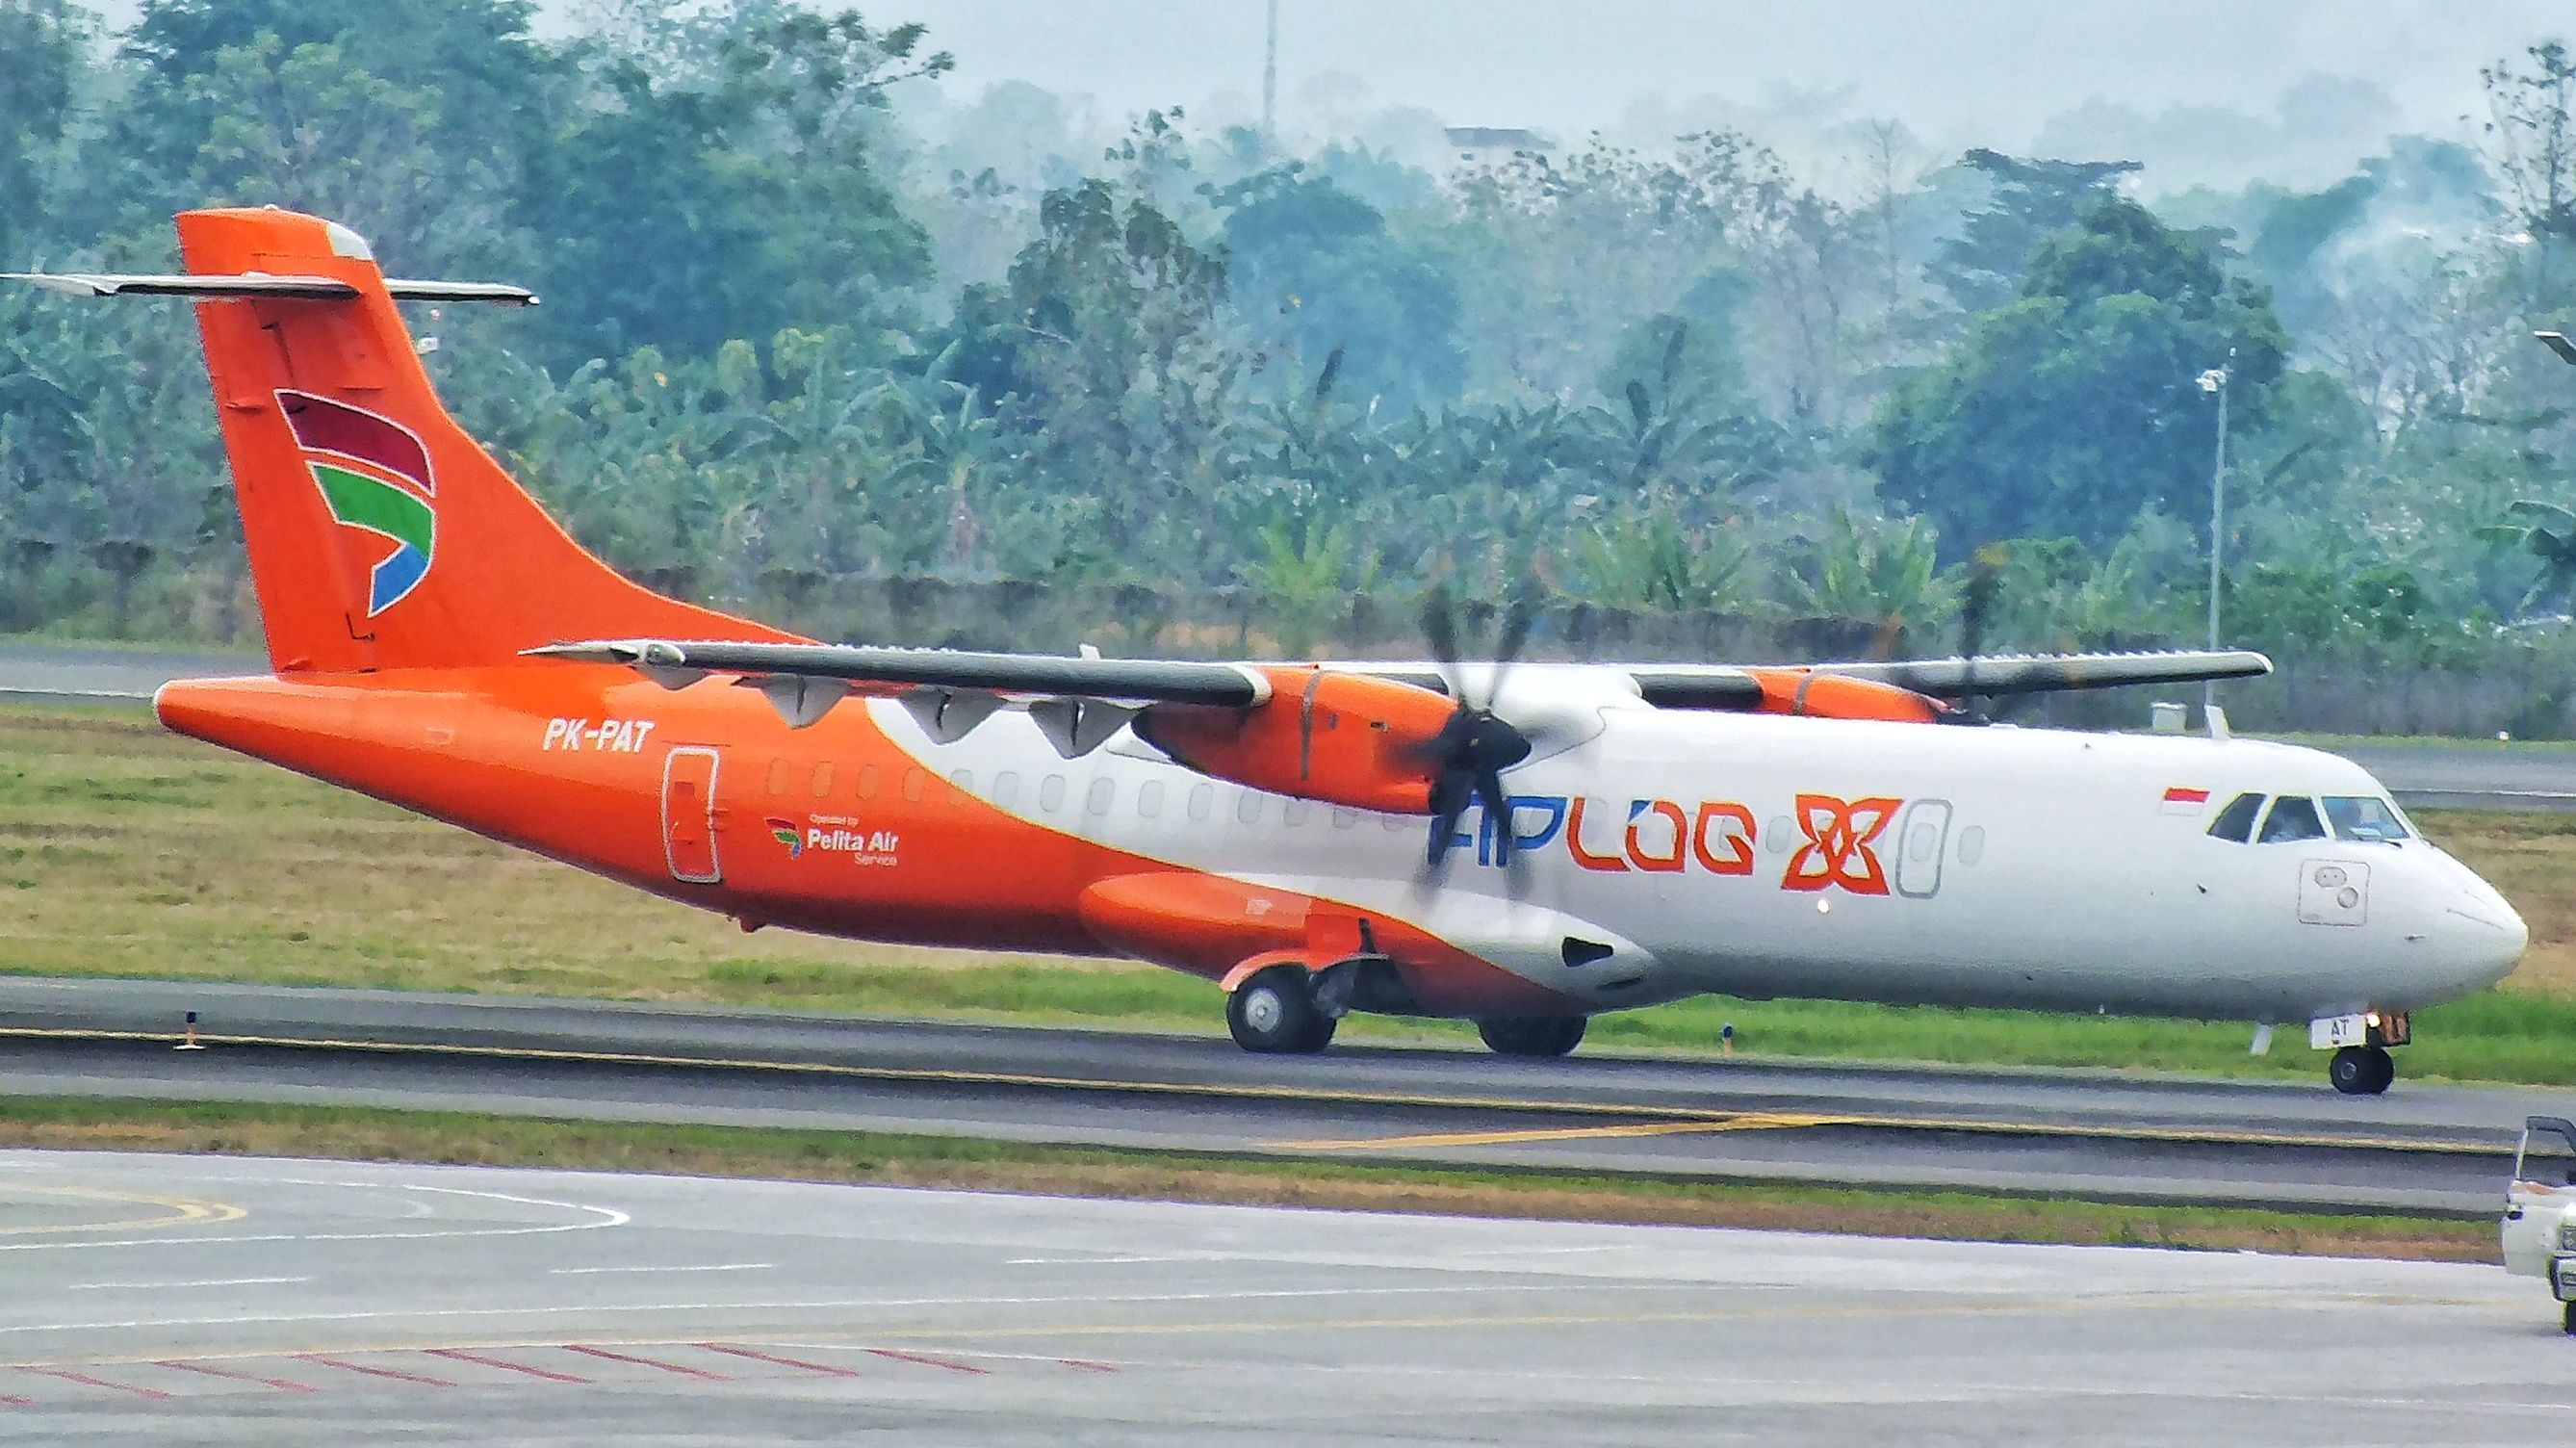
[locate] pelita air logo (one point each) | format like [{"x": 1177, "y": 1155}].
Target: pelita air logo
[
  {"x": 786, "y": 833},
  {"x": 374, "y": 475}
]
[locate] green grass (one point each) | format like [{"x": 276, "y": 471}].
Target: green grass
[
  {"x": 372, "y": 1134},
  {"x": 125, "y": 850}
]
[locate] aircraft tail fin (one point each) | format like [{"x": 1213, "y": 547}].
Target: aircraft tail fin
[{"x": 381, "y": 536}]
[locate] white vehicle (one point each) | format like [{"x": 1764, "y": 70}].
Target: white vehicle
[{"x": 2539, "y": 1226}]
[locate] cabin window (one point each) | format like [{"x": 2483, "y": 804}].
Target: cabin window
[
  {"x": 822, "y": 779},
  {"x": 1202, "y": 801},
  {"x": 868, "y": 776},
  {"x": 1104, "y": 793},
  {"x": 1051, "y": 793},
  {"x": 2361, "y": 817},
  {"x": 1345, "y": 818},
  {"x": 1293, "y": 812},
  {"x": 1006, "y": 788},
  {"x": 1149, "y": 799},
  {"x": 964, "y": 780},
  {"x": 1247, "y": 808},
  {"x": 778, "y": 776},
  {"x": 914, "y": 782},
  {"x": 2293, "y": 817},
  {"x": 1396, "y": 824},
  {"x": 2236, "y": 822},
  {"x": 1972, "y": 844}
]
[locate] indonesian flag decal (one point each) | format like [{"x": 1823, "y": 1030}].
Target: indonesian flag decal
[{"x": 2182, "y": 799}]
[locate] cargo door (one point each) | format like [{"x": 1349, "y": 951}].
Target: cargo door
[
  {"x": 689, "y": 815},
  {"x": 1922, "y": 838}
]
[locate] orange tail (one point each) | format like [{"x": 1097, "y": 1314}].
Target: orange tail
[{"x": 381, "y": 536}]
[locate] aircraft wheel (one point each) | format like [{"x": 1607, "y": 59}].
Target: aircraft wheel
[
  {"x": 1531, "y": 1035},
  {"x": 1274, "y": 1013},
  {"x": 2570, "y": 1315},
  {"x": 2361, "y": 1070}
]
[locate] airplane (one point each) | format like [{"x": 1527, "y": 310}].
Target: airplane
[{"x": 1600, "y": 837}]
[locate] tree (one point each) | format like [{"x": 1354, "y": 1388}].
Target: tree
[
  {"x": 1313, "y": 271},
  {"x": 2069, "y": 409},
  {"x": 2029, "y": 200},
  {"x": 476, "y": 91},
  {"x": 2534, "y": 140},
  {"x": 41, "y": 65},
  {"x": 732, "y": 198}
]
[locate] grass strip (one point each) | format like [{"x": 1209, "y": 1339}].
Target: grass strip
[{"x": 350, "y": 1133}]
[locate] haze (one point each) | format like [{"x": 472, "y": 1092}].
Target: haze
[{"x": 2203, "y": 90}]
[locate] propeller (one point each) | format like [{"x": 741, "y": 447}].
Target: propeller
[
  {"x": 1978, "y": 596},
  {"x": 1977, "y": 600},
  {"x": 1466, "y": 759}
]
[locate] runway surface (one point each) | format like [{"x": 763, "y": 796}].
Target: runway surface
[
  {"x": 251, "y": 1301},
  {"x": 2454, "y": 776},
  {"x": 2437, "y": 1150}
]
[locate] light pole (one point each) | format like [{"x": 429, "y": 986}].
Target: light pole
[{"x": 2216, "y": 380}]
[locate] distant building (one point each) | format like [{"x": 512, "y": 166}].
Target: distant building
[{"x": 1477, "y": 146}]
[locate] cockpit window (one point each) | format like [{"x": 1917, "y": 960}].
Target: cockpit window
[
  {"x": 2236, "y": 822},
  {"x": 2362, "y": 817},
  {"x": 2293, "y": 817}
]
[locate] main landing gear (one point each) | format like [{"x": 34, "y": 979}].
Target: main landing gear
[
  {"x": 1274, "y": 1012},
  {"x": 1531, "y": 1035},
  {"x": 2361, "y": 1070}
]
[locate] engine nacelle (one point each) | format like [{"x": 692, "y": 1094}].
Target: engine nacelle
[
  {"x": 1346, "y": 739},
  {"x": 1835, "y": 696}
]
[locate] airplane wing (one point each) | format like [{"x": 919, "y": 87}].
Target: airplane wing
[
  {"x": 1081, "y": 701},
  {"x": 1078, "y": 702},
  {"x": 1989, "y": 675}
]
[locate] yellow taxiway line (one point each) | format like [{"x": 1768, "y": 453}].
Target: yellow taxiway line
[{"x": 178, "y": 1211}]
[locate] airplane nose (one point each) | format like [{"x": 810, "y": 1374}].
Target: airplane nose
[{"x": 2482, "y": 937}]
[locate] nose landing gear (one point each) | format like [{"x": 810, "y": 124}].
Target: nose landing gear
[
  {"x": 2361, "y": 1066},
  {"x": 2361, "y": 1070}
]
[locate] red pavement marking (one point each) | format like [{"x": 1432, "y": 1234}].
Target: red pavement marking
[
  {"x": 462, "y": 1356},
  {"x": 396, "y": 1374},
  {"x": 14, "y": 1401},
  {"x": 281, "y": 1384},
  {"x": 628, "y": 1357},
  {"x": 928, "y": 1362},
  {"x": 67, "y": 1375},
  {"x": 784, "y": 1362},
  {"x": 1087, "y": 1365}
]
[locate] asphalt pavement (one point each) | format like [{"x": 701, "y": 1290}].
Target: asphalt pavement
[
  {"x": 223, "y": 1301},
  {"x": 2098, "y": 1134}
]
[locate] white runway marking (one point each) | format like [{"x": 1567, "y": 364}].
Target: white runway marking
[
  {"x": 1091, "y": 1260},
  {"x": 163, "y": 1286},
  {"x": 709, "y": 1267}
]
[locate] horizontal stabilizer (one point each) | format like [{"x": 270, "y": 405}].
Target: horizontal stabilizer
[{"x": 254, "y": 284}]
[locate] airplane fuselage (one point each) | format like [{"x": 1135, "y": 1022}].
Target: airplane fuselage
[{"x": 1666, "y": 854}]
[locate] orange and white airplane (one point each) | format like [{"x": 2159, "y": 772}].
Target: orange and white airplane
[{"x": 1601, "y": 836}]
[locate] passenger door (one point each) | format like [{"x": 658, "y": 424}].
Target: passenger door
[{"x": 689, "y": 815}]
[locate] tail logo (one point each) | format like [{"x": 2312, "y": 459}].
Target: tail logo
[{"x": 375, "y": 477}]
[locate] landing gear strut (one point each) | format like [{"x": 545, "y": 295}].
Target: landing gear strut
[
  {"x": 1273, "y": 1012},
  {"x": 2361, "y": 1070},
  {"x": 1531, "y": 1035}
]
